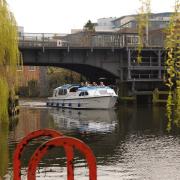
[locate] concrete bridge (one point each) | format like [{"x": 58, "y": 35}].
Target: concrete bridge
[{"x": 109, "y": 55}]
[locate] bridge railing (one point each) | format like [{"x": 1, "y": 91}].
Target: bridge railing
[
  {"x": 145, "y": 76},
  {"x": 81, "y": 39},
  {"x": 40, "y": 40},
  {"x": 146, "y": 61}
]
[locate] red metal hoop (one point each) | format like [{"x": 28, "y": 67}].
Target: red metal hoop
[
  {"x": 68, "y": 143},
  {"x": 20, "y": 147},
  {"x": 63, "y": 142}
]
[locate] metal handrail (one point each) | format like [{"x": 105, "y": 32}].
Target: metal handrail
[
  {"x": 111, "y": 40},
  {"x": 141, "y": 76}
]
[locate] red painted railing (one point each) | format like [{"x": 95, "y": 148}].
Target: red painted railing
[{"x": 58, "y": 140}]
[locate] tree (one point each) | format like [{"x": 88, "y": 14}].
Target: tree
[
  {"x": 9, "y": 57},
  {"x": 89, "y": 26},
  {"x": 89, "y": 31},
  {"x": 4, "y": 151},
  {"x": 143, "y": 26},
  {"x": 172, "y": 46}
]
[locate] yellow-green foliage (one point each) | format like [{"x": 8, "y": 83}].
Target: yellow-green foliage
[
  {"x": 172, "y": 46},
  {"x": 143, "y": 23},
  {"x": 4, "y": 99},
  {"x": 177, "y": 104},
  {"x": 9, "y": 54},
  {"x": 169, "y": 110},
  {"x": 4, "y": 151}
]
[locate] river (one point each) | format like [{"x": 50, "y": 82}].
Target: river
[{"x": 130, "y": 142}]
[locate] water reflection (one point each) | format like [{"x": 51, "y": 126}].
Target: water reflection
[
  {"x": 129, "y": 143},
  {"x": 84, "y": 121},
  {"x": 95, "y": 127}
]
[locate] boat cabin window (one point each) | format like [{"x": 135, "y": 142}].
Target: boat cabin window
[
  {"x": 73, "y": 89},
  {"x": 83, "y": 93},
  {"x": 62, "y": 92}
]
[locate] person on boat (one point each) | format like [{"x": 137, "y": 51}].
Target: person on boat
[
  {"x": 94, "y": 84},
  {"x": 87, "y": 83},
  {"x": 101, "y": 84},
  {"x": 82, "y": 84}
]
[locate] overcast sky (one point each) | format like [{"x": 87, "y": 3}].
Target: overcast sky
[{"x": 60, "y": 16}]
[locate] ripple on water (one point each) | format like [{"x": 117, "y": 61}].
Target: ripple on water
[
  {"x": 121, "y": 153},
  {"x": 147, "y": 158}
]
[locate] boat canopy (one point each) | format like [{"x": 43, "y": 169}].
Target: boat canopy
[{"x": 87, "y": 88}]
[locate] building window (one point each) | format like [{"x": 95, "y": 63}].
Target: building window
[
  {"x": 31, "y": 68},
  {"x": 131, "y": 39}
]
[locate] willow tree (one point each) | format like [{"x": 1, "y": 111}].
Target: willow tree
[
  {"x": 9, "y": 57},
  {"x": 172, "y": 46},
  {"x": 4, "y": 151},
  {"x": 143, "y": 26}
]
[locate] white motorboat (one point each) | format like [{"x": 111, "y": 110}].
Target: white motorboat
[{"x": 87, "y": 97}]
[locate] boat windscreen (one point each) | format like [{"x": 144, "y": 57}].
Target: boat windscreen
[{"x": 67, "y": 86}]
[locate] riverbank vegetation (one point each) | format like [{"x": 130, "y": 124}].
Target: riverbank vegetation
[
  {"x": 9, "y": 58},
  {"x": 173, "y": 66},
  {"x": 172, "y": 62}
]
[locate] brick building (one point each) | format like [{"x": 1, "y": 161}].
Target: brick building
[
  {"x": 28, "y": 73},
  {"x": 34, "y": 78}
]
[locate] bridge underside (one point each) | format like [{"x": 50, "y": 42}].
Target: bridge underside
[
  {"x": 91, "y": 64},
  {"x": 90, "y": 72}
]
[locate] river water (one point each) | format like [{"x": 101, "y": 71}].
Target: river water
[{"x": 130, "y": 142}]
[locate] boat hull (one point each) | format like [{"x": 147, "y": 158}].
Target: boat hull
[{"x": 99, "y": 102}]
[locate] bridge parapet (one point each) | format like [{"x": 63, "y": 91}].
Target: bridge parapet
[{"x": 82, "y": 40}]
